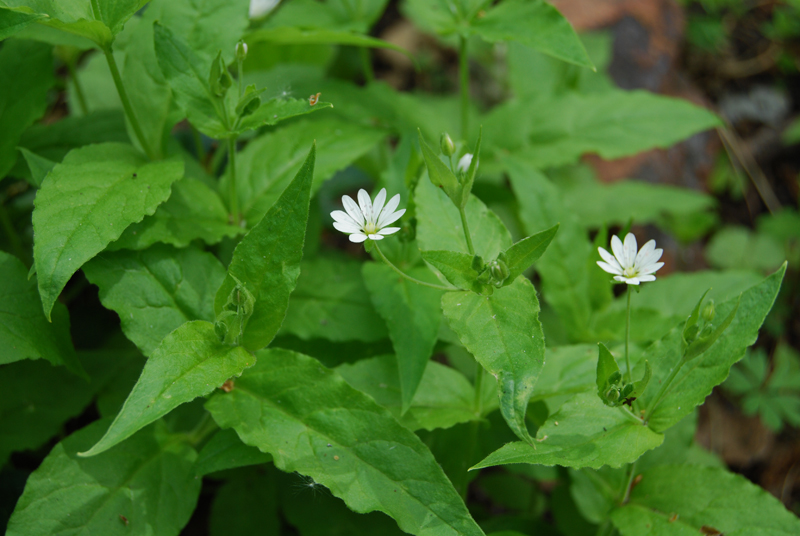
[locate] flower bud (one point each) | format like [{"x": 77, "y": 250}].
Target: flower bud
[
  {"x": 499, "y": 271},
  {"x": 709, "y": 312},
  {"x": 447, "y": 145},
  {"x": 612, "y": 395},
  {"x": 464, "y": 163},
  {"x": 241, "y": 50}
]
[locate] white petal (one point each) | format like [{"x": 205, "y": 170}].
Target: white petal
[
  {"x": 377, "y": 205},
  {"x": 388, "y": 210},
  {"x": 620, "y": 278},
  {"x": 645, "y": 252},
  {"x": 653, "y": 257},
  {"x": 386, "y": 219},
  {"x": 616, "y": 247},
  {"x": 632, "y": 281},
  {"x": 366, "y": 204},
  {"x": 352, "y": 209},
  {"x": 464, "y": 163},
  {"x": 347, "y": 227},
  {"x": 651, "y": 268},
  {"x": 611, "y": 260},
  {"x": 342, "y": 217},
  {"x": 357, "y": 238},
  {"x": 608, "y": 268},
  {"x": 646, "y": 278},
  {"x": 375, "y": 237},
  {"x": 388, "y": 230},
  {"x": 629, "y": 250}
]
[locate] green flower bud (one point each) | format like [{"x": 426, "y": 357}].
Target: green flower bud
[
  {"x": 447, "y": 145},
  {"x": 241, "y": 50},
  {"x": 612, "y": 395},
  {"x": 500, "y": 271},
  {"x": 709, "y": 312}
]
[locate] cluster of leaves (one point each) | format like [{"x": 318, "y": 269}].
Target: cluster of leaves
[{"x": 188, "y": 190}]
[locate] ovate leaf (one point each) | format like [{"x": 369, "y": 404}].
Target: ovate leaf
[
  {"x": 267, "y": 260},
  {"x": 86, "y": 202},
  {"x": 156, "y": 290},
  {"x": 412, "y": 314},
  {"x": 504, "y": 334},
  {"x": 343, "y": 440},
  {"x": 527, "y": 251},
  {"x": 144, "y": 486},
  {"x": 190, "y": 362}
]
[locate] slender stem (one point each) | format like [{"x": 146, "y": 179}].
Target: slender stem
[
  {"x": 234, "y": 200},
  {"x": 204, "y": 428},
  {"x": 78, "y": 88},
  {"x": 661, "y": 392},
  {"x": 467, "y": 234},
  {"x": 631, "y": 415},
  {"x": 399, "y": 271},
  {"x": 631, "y": 474},
  {"x": 126, "y": 103},
  {"x": 240, "y": 74},
  {"x": 479, "y": 373},
  {"x": 366, "y": 65},
  {"x": 463, "y": 61},
  {"x": 628, "y": 337},
  {"x": 198, "y": 145}
]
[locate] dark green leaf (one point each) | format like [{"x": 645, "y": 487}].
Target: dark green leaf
[
  {"x": 267, "y": 260},
  {"x": 503, "y": 332},
  {"x": 190, "y": 362},
  {"x": 156, "y": 290},
  {"x": 12, "y": 21},
  {"x": 73, "y": 16},
  {"x": 527, "y": 251},
  {"x": 226, "y": 451},
  {"x": 144, "y": 486},
  {"x": 87, "y": 202},
  {"x": 372, "y": 463},
  {"x": 38, "y": 166}
]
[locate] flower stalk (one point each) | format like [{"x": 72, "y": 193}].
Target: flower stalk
[{"x": 405, "y": 275}]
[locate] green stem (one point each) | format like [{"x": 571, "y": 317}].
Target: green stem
[
  {"x": 204, "y": 428},
  {"x": 240, "y": 74},
  {"x": 234, "y": 200},
  {"x": 479, "y": 373},
  {"x": 628, "y": 337},
  {"x": 463, "y": 61},
  {"x": 399, "y": 271},
  {"x": 198, "y": 145},
  {"x": 661, "y": 392},
  {"x": 631, "y": 474},
  {"x": 366, "y": 65},
  {"x": 78, "y": 88},
  {"x": 126, "y": 103},
  {"x": 631, "y": 415},
  {"x": 467, "y": 234}
]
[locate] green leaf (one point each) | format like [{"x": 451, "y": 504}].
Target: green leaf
[
  {"x": 267, "y": 165},
  {"x": 87, "y": 202},
  {"x": 504, "y": 334},
  {"x": 583, "y": 433},
  {"x": 699, "y": 497},
  {"x": 458, "y": 268},
  {"x": 278, "y": 109},
  {"x": 568, "y": 370},
  {"x": 444, "y": 17},
  {"x": 739, "y": 247},
  {"x": 527, "y": 251},
  {"x": 534, "y": 23},
  {"x": 296, "y": 429},
  {"x": 412, "y": 314},
  {"x": 444, "y": 398},
  {"x": 267, "y": 260},
  {"x": 156, "y": 290},
  {"x": 440, "y": 175},
  {"x": 193, "y": 212},
  {"x": 115, "y": 13},
  {"x": 73, "y": 16},
  {"x": 439, "y": 224},
  {"x": 26, "y": 68},
  {"x": 331, "y": 302},
  {"x": 38, "y": 166},
  {"x": 469, "y": 176},
  {"x": 226, "y": 451},
  {"x": 697, "y": 378},
  {"x": 12, "y": 21},
  {"x": 37, "y": 400},
  {"x": 25, "y": 333},
  {"x": 288, "y": 35},
  {"x": 245, "y": 505},
  {"x": 189, "y": 362},
  {"x": 144, "y": 486},
  {"x": 606, "y": 367}
]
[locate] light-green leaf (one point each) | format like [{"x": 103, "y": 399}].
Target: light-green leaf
[
  {"x": 267, "y": 260},
  {"x": 156, "y": 290},
  {"x": 144, "y": 486},
  {"x": 412, "y": 314},
  {"x": 458, "y": 268},
  {"x": 504, "y": 334},
  {"x": 440, "y": 175},
  {"x": 288, "y": 35},
  {"x": 582, "y": 433},
  {"x": 226, "y": 451},
  {"x": 12, "y": 21},
  {"x": 683, "y": 499},
  {"x": 343, "y": 440},
  {"x": 527, "y": 251},
  {"x": 74, "y": 16},
  {"x": 189, "y": 362},
  {"x": 534, "y": 23},
  {"x": 86, "y": 202}
]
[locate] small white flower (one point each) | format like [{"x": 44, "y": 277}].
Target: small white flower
[
  {"x": 259, "y": 8},
  {"x": 629, "y": 266},
  {"x": 367, "y": 219},
  {"x": 464, "y": 163}
]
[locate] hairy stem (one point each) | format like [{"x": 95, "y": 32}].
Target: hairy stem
[
  {"x": 628, "y": 337},
  {"x": 405, "y": 275},
  {"x": 467, "y": 234},
  {"x": 126, "y": 104},
  {"x": 234, "y": 199}
]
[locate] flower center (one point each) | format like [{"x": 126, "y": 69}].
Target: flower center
[
  {"x": 629, "y": 272},
  {"x": 370, "y": 228}
]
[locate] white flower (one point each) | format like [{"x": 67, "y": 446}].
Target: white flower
[
  {"x": 259, "y": 8},
  {"x": 629, "y": 266},
  {"x": 367, "y": 219},
  {"x": 464, "y": 163}
]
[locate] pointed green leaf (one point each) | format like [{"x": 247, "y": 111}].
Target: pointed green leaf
[
  {"x": 115, "y": 13},
  {"x": 504, "y": 334},
  {"x": 189, "y": 362},
  {"x": 25, "y": 333},
  {"x": 534, "y": 23},
  {"x": 583, "y": 433},
  {"x": 226, "y": 451},
  {"x": 527, "y": 251},
  {"x": 74, "y": 16},
  {"x": 469, "y": 176},
  {"x": 12, "y": 21},
  {"x": 289, "y": 35},
  {"x": 684, "y": 499},
  {"x": 87, "y": 202},
  {"x": 157, "y": 290},
  {"x": 689, "y": 329},
  {"x": 267, "y": 260},
  {"x": 698, "y": 377},
  {"x": 641, "y": 385},
  {"x": 412, "y": 314},
  {"x": 458, "y": 268},
  {"x": 440, "y": 175},
  {"x": 606, "y": 367},
  {"x": 38, "y": 166},
  {"x": 705, "y": 340},
  {"x": 26, "y": 69},
  {"x": 144, "y": 486},
  {"x": 278, "y": 109},
  {"x": 343, "y": 440}
]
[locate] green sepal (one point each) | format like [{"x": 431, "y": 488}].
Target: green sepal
[
  {"x": 469, "y": 179},
  {"x": 608, "y": 375},
  {"x": 709, "y": 335},
  {"x": 641, "y": 385},
  {"x": 440, "y": 174},
  {"x": 250, "y": 101},
  {"x": 219, "y": 79},
  {"x": 231, "y": 322}
]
